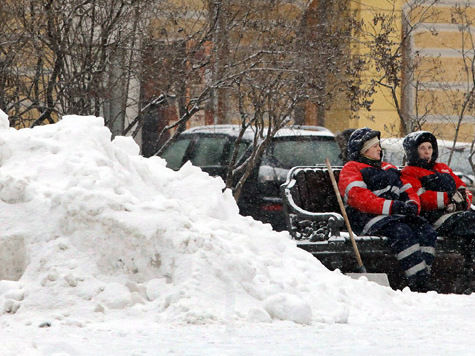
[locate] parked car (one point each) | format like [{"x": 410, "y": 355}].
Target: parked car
[
  {"x": 211, "y": 147},
  {"x": 393, "y": 152}
]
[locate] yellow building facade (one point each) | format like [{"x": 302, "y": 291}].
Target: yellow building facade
[{"x": 437, "y": 72}]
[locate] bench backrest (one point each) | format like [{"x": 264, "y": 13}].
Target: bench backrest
[
  {"x": 310, "y": 205},
  {"x": 313, "y": 189}
]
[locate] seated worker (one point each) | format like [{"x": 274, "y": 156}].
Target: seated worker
[
  {"x": 445, "y": 201},
  {"x": 379, "y": 203}
]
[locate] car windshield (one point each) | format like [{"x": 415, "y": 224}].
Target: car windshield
[
  {"x": 287, "y": 153},
  {"x": 208, "y": 151},
  {"x": 175, "y": 152}
]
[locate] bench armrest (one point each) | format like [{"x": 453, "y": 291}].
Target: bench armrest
[
  {"x": 308, "y": 214},
  {"x": 334, "y": 221}
]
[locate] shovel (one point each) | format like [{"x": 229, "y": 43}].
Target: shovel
[{"x": 379, "y": 278}]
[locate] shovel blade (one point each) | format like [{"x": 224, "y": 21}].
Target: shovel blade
[{"x": 379, "y": 278}]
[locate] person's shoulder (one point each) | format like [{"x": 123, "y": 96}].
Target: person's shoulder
[
  {"x": 414, "y": 170},
  {"x": 352, "y": 167},
  {"x": 442, "y": 167},
  {"x": 407, "y": 169},
  {"x": 386, "y": 165},
  {"x": 355, "y": 165},
  {"x": 411, "y": 174}
]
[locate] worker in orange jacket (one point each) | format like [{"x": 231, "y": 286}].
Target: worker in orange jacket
[{"x": 445, "y": 199}]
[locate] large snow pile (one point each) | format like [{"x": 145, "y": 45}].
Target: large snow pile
[{"x": 91, "y": 228}]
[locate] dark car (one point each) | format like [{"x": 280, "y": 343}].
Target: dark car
[{"x": 211, "y": 147}]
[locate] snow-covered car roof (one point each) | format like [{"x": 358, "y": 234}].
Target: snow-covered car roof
[{"x": 233, "y": 130}]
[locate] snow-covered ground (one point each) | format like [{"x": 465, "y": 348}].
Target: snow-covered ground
[{"x": 104, "y": 252}]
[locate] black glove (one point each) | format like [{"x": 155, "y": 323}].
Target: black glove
[
  {"x": 404, "y": 208},
  {"x": 459, "y": 199},
  {"x": 439, "y": 182}
]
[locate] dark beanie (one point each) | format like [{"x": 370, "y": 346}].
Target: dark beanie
[
  {"x": 411, "y": 143},
  {"x": 357, "y": 140}
]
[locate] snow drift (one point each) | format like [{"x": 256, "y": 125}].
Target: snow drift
[{"x": 95, "y": 228}]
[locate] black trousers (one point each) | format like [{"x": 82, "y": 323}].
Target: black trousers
[
  {"x": 413, "y": 243},
  {"x": 461, "y": 226}
]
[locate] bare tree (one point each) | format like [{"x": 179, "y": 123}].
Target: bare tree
[
  {"x": 252, "y": 63},
  {"x": 388, "y": 53},
  {"x": 75, "y": 57},
  {"x": 179, "y": 59},
  {"x": 464, "y": 104},
  {"x": 266, "y": 82},
  {"x": 428, "y": 86},
  {"x": 235, "y": 62},
  {"x": 331, "y": 71},
  {"x": 13, "y": 51},
  {"x": 296, "y": 60}
]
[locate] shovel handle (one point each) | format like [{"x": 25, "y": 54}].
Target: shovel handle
[{"x": 361, "y": 267}]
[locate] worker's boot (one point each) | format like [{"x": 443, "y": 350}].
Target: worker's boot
[{"x": 420, "y": 282}]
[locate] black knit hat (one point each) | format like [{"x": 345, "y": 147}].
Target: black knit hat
[
  {"x": 357, "y": 140},
  {"x": 411, "y": 143}
]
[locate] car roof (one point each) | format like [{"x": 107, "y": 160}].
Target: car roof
[
  {"x": 233, "y": 130},
  {"x": 396, "y": 143}
]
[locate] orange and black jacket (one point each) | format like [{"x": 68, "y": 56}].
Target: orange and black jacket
[
  {"x": 369, "y": 193},
  {"x": 435, "y": 187}
]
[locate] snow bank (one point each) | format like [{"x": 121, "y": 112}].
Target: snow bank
[{"x": 99, "y": 229}]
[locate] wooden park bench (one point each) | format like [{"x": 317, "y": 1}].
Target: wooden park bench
[{"x": 314, "y": 220}]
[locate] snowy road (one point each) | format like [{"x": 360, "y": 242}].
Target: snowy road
[{"x": 448, "y": 331}]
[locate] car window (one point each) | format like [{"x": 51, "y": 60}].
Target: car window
[
  {"x": 302, "y": 152},
  {"x": 175, "y": 152},
  {"x": 394, "y": 157},
  {"x": 242, "y": 147},
  {"x": 460, "y": 159},
  {"x": 208, "y": 151}
]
